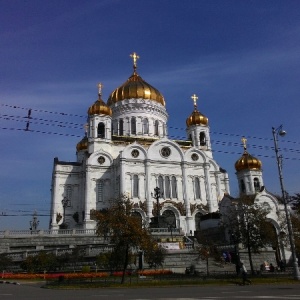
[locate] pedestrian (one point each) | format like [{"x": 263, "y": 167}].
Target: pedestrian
[
  {"x": 245, "y": 274},
  {"x": 228, "y": 257},
  {"x": 224, "y": 257},
  {"x": 282, "y": 266}
]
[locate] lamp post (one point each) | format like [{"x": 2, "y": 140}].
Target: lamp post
[
  {"x": 34, "y": 222},
  {"x": 280, "y": 132},
  {"x": 156, "y": 196},
  {"x": 65, "y": 202}
]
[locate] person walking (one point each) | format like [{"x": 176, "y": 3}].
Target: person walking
[{"x": 245, "y": 275}]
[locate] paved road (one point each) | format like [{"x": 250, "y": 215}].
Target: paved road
[{"x": 33, "y": 291}]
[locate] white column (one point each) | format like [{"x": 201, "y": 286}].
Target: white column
[
  {"x": 122, "y": 175},
  {"x": 186, "y": 197},
  {"x": 208, "y": 187},
  {"x": 55, "y": 200},
  {"x": 88, "y": 223},
  {"x": 149, "y": 203}
]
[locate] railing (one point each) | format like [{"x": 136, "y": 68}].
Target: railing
[
  {"x": 164, "y": 230},
  {"x": 56, "y": 232}
]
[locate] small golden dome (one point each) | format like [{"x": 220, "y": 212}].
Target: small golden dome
[
  {"x": 196, "y": 118},
  {"x": 136, "y": 87},
  {"x": 82, "y": 145},
  {"x": 247, "y": 162},
  {"x": 99, "y": 108}
]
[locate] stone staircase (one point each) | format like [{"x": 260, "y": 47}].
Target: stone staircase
[{"x": 183, "y": 261}]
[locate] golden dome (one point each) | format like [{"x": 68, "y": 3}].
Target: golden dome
[
  {"x": 82, "y": 145},
  {"x": 99, "y": 108},
  {"x": 196, "y": 118},
  {"x": 136, "y": 87},
  {"x": 248, "y": 162}
]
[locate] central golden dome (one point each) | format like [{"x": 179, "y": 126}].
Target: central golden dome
[{"x": 136, "y": 87}]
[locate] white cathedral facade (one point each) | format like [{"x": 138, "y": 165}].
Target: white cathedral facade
[{"x": 126, "y": 152}]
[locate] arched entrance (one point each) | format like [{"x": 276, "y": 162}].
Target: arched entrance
[{"x": 168, "y": 219}]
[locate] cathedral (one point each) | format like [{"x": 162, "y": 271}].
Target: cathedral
[{"x": 126, "y": 152}]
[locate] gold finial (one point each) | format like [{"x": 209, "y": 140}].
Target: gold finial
[
  {"x": 195, "y": 98},
  {"x": 244, "y": 141},
  {"x": 135, "y": 57},
  {"x": 100, "y": 86}
]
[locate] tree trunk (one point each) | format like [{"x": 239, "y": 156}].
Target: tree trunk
[
  {"x": 250, "y": 260},
  {"x": 125, "y": 263}
]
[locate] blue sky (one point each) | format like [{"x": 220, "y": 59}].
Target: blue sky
[{"x": 240, "y": 57}]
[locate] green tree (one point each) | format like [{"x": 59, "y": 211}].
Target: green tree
[
  {"x": 247, "y": 221},
  {"x": 124, "y": 231},
  {"x": 154, "y": 255},
  {"x": 41, "y": 262}
]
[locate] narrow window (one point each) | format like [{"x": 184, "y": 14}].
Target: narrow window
[
  {"x": 145, "y": 126},
  {"x": 121, "y": 131},
  {"x": 174, "y": 187},
  {"x": 100, "y": 191},
  {"x": 256, "y": 184},
  {"x": 168, "y": 186},
  {"x": 161, "y": 185},
  {"x": 197, "y": 188},
  {"x": 101, "y": 130},
  {"x": 243, "y": 187},
  {"x": 202, "y": 139},
  {"x": 133, "y": 125},
  {"x": 69, "y": 194},
  {"x": 135, "y": 186},
  {"x": 156, "y": 127}
]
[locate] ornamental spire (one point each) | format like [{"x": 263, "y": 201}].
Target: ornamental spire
[
  {"x": 100, "y": 86},
  {"x": 195, "y": 98},
  {"x": 244, "y": 141},
  {"x": 135, "y": 57}
]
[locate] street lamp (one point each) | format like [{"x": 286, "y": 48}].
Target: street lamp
[
  {"x": 65, "y": 202},
  {"x": 280, "y": 132},
  {"x": 156, "y": 196},
  {"x": 35, "y": 222}
]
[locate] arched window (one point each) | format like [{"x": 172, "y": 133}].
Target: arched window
[
  {"x": 256, "y": 184},
  {"x": 133, "y": 125},
  {"x": 174, "y": 187},
  {"x": 168, "y": 186},
  {"x": 135, "y": 188},
  {"x": 202, "y": 139},
  {"x": 101, "y": 130},
  {"x": 121, "y": 127},
  {"x": 100, "y": 187},
  {"x": 243, "y": 187},
  {"x": 197, "y": 188},
  {"x": 145, "y": 126},
  {"x": 156, "y": 127},
  {"x": 161, "y": 185}
]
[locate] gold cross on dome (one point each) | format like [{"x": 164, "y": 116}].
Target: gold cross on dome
[
  {"x": 135, "y": 57},
  {"x": 195, "y": 98},
  {"x": 100, "y": 86},
  {"x": 244, "y": 141}
]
